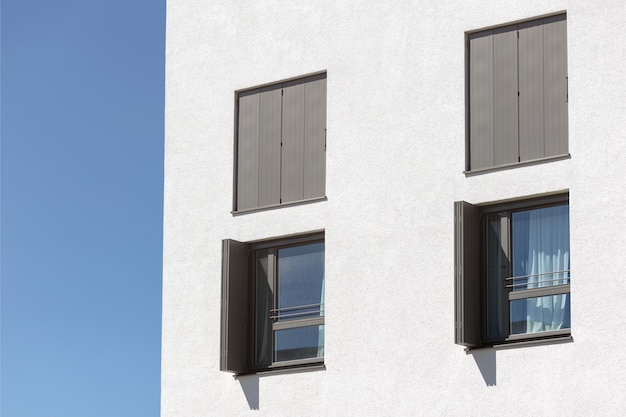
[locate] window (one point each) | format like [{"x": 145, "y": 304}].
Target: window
[
  {"x": 517, "y": 93},
  {"x": 272, "y": 303},
  {"x": 512, "y": 271},
  {"x": 280, "y": 144}
]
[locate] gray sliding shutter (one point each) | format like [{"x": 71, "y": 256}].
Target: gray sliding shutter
[
  {"x": 481, "y": 100},
  {"x": 315, "y": 137},
  {"x": 493, "y": 98},
  {"x": 248, "y": 150},
  {"x": 518, "y": 93},
  {"x": 543, "y": 88},
  {"x": 234, "y": 326},
  {"x": 304, "y": 139},
  {"x": 258, "y": 148},
  {"x": 467, "y": 311},
  {"x": 281, "y": 143}
]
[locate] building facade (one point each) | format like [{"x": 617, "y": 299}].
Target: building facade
[{"x": 394, "y": 208}]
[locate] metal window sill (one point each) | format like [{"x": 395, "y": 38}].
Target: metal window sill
[
  {"x": 278, "y": 206},
  {"x": 479, "y": 171},
  {"x": 284, "y": 370},
  {"x": 525, "y": 342}
]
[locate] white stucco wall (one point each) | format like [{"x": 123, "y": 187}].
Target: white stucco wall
[{"x": 395, "y": 160}]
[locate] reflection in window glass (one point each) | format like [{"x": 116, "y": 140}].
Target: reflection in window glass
[
  {"x": 300, "y": 282},
  {"x": 299, "y": 343}
]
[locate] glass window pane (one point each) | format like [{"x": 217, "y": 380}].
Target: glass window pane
[
  {"x": 300, "y": 282},
  {"x": 540, "y": 314},
  {"x": 540, "y": 240},
  {"x": 299, "y": 343}
]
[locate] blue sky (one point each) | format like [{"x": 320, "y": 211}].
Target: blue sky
[{"x": 82, "y": 88}]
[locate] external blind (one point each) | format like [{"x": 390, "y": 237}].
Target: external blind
[
  {"x": 518, "y": 93},
  {"x": 467, "y": 313},
  {"x": 234, "y": 320},
  {"x": 281, "y": 143}
]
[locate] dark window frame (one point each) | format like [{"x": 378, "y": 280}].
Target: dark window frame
[
  {"x": 240, "y": 298},
  {"x": 493, "y": 149},
  {"x": 471, "y": 299}
]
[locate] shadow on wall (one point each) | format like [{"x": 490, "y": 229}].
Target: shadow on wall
[
  {"x": 250, "y": 387},
  {"x": 486, "y": 361}
]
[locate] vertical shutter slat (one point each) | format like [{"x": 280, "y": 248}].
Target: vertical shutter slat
[
  {"x": 531, "y": 87},
  {"x": 481, "y": 100},
  {"x": 555, "y": 85},
  {"x": 247, "y": 150},
  {"x": 234, "y": 320},
  {"x": 505, "y": 119},
  {"x": 269, "y": 146},
  {"x": 467, "y": 285},
  {"x": 292, "y": 160},
  {"x": 315, "y": 137}
]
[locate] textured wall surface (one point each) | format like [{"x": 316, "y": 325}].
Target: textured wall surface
[{"x": 395, "y": 161}]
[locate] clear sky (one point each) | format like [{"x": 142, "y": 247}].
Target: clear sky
[{"x": 82, "y": 89}]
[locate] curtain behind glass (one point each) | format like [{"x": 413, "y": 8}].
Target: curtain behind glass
[{"x": 540, "y": 251}]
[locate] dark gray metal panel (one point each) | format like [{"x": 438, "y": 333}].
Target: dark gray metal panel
[
  {"x": 481, "y": 104},
  {"x": 234, "y": 311},
  {"x": 467, "y": 284},
  {"x": 531, "y": 87},
  {"x": 315, "y": 137},
  {"x": 505, "y": 119},
  {"x": 247, "y": 150},
  {"x": 292, "y": 160},
  {"x": 269, "y": 146},
  {"x": 555, "y": 85}
]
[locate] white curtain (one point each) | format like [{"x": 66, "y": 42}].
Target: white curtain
[{"x": 547, "y": 255}]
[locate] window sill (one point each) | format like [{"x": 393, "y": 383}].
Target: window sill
[
  {"x": 277, "y": 206},
  {"x": 519, "y": 341},
  {"x": 281, "y": 370},
  {"x": 479, "y": 171}
]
